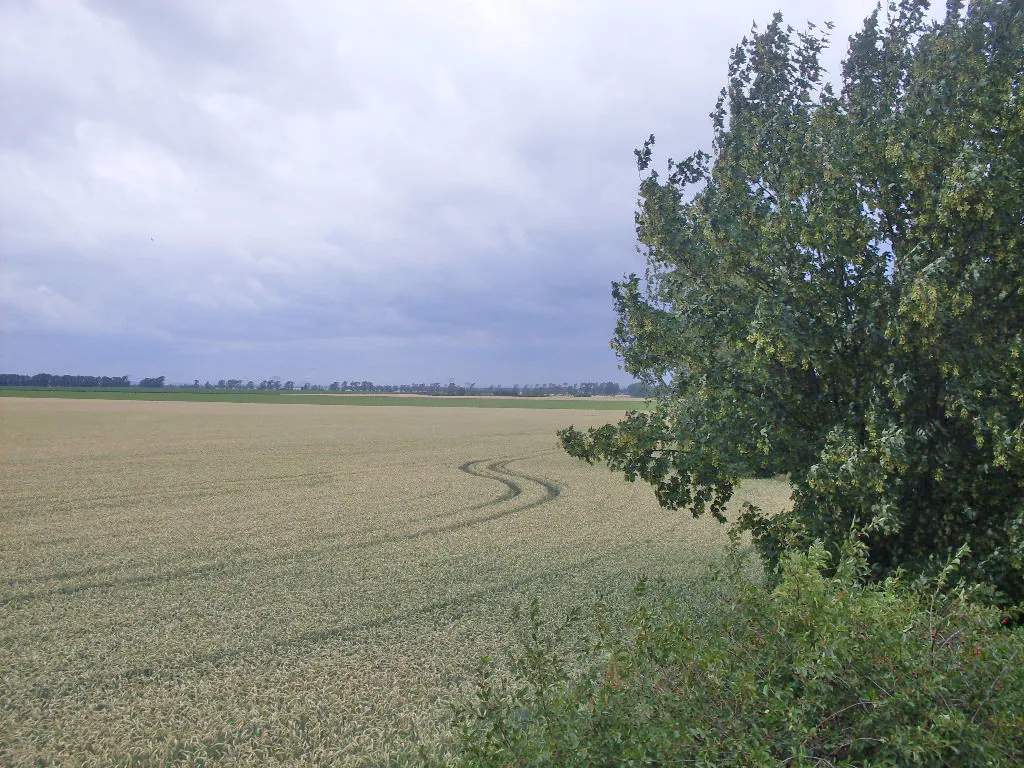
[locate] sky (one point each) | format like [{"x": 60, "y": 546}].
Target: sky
[{"x": 395, "y": 191}]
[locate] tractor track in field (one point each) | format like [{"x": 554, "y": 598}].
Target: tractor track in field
[
  {"x": 513, "y": 488},
  {"x": 203, "y": 664},
  {"x": 496, "y": 471},
  {"x": 500, "y": 472},
  {"x": 194, "y": 490},
  {"x": 101, "y": 570}
]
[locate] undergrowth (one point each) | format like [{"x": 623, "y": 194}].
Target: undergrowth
[{"x": 819, "y": 670}]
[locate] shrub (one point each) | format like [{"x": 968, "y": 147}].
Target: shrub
[{"x": 819, "y": 670}]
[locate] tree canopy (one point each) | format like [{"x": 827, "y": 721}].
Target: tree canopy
[{"x": 836, "y": 293}]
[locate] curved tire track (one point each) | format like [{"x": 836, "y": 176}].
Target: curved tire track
[
  {"x": 500, "y": 473},
  {"x": 551, "y": 489},
  {"x": 514, "y": 489},
  {"x": 496, "y": 471}
]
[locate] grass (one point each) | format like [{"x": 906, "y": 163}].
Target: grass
[
  {"x": 218, "y": 584},
  {"x": 295, "y": 398}
]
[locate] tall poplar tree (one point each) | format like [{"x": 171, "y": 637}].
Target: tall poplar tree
[{"x": 836, "y": 293}]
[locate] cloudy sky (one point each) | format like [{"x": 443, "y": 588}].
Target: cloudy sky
[{"x": 323, "y": 189}]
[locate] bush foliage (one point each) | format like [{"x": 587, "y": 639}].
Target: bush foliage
[{"x": 821, "y": 670}]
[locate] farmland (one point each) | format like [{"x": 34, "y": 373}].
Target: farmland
[
  {"x": 189, "y": 395},
  {"x": 243, "y": 583}
]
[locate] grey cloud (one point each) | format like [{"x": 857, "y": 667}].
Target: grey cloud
[{"x": 423, "y": 187}]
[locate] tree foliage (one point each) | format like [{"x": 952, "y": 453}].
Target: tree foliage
[{"x": 837, "y": 293}]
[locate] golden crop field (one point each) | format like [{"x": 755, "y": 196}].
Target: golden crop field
[{"x": 226, "y": 584}]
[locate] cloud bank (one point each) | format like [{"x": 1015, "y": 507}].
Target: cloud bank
[{"x": 393, "y": 191}]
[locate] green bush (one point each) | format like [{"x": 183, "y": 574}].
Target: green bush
[{"x": 820, "y": 670}]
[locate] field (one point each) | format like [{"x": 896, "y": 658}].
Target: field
[
  {"x": 238, "y": 583},
  {"x": 188, "y": 395}
]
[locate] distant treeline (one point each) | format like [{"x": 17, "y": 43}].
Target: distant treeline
[
  {"x": 584, "y": 389},
  {"x": 50, "y": 380}
]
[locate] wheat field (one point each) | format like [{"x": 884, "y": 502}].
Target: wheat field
[{"x": 247, "y": 584}]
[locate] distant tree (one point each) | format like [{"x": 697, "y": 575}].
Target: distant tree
[
  {"x": 152, "y": 383},
  {"x": 639, "y": 389},
  {"x": 842, "y": 298}
]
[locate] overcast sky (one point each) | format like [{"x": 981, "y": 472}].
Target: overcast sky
[{"x": 321, "y": 190}]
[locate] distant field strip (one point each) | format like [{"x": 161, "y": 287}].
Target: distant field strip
[
  {"x": 196, "y": 583},
  {"x": 300, "y": 398}
]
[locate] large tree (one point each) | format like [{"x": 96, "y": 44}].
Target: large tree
[{"x": 837, "y": 293}]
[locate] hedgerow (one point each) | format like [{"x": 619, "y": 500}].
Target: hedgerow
[{"x": 820, "y": 670}]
